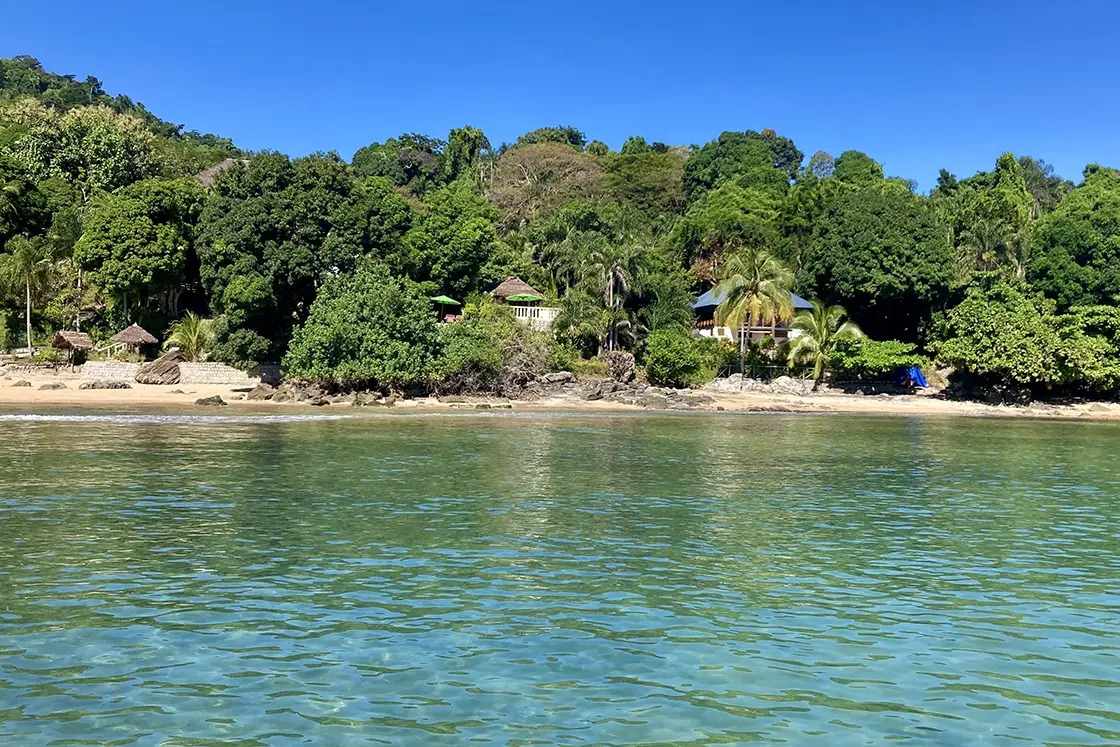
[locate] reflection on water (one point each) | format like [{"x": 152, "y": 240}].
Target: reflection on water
[{"x": 559, "y": 581}]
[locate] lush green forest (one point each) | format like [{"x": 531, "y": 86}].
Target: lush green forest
[{"x": 110, "y": 215}]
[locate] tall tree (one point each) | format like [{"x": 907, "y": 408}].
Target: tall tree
[
  {"x": 821, "y": 329},
  {"x": 27, "y": 264},
  {"x": 762, "y": 160},
  {"x": 755, "y": 288}
]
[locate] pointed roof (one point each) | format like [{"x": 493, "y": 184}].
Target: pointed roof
[
  {"x": 134, "y": 335},
  {"x": 712, "y": 299},
  {"x": 70, "y": 340},
  {"x": 512, "y": 286}
]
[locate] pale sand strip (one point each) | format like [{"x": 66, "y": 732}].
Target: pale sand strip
[{"x": 141, "y": 395}]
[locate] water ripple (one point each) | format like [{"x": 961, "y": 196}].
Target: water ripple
[{"x": 596, "y": 581}]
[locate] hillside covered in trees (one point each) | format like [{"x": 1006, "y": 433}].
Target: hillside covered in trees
[{"x": 1011, "y": 276}]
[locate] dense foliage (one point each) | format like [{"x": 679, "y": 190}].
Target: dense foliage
[{"x": 110, "y": 215}]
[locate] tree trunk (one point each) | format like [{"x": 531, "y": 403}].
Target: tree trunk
[
  {"x": 27, "y": 284},
  {"x": 610, "y": 306}
]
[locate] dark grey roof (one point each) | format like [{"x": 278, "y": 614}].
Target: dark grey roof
[{"x": 710, "y": 299}]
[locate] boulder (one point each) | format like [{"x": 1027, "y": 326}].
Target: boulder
[
  {"x": 104, "y": 385},
  {"x": 319, "y": 402},
  {"x": 163, "y": 370},
  {"x": 261, "y": 392},
  {"x": 283, "y": 395},
  {"x": 559, "y": 377},
  {"x": 215, "y": 401},
  {"x": 653, "y": 401},
  {"x": 1098, "y": 407},
  {"x": 789, "y": 385},
  {"x": 51, "y": 386},
  {"x": 620, "y": 365},
  {"x": 482, "y": 406},
  {"x": 21, "y": 382}
]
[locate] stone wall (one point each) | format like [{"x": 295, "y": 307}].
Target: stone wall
[
  {"x": 213, "y": 373},
  {"x": 189, "y": 373},
  {"x": 109, "y": 371}
]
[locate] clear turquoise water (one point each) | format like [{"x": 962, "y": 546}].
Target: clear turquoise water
[{"x": 559, "y": 581}]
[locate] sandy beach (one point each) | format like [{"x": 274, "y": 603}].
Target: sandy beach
[{"x": 185, "y": 396}]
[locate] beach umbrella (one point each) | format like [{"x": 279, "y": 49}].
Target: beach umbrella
[
  {"x": 524, "y": 297},
  {"x": 444, "y": 301}
]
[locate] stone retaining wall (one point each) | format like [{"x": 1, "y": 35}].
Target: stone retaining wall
[
  {"x": 110, "y": 371},
  {"x": 190, "y": 373}
]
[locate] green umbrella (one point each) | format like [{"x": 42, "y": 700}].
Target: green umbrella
[
  {"x": 444, "y": 300},
  {"x": 524, "y": 297}
]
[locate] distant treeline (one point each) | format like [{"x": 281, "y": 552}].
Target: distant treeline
[{"x": 1012, "y": 276}]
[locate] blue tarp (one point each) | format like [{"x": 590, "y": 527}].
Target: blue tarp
[{"x": 913, "y": 376}]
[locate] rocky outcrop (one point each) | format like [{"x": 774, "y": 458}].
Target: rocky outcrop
[
  {"x": 261, "y": 392},
  {"x": 163, "y": 370},
  {"x": 104, "y": 385},
  {"x": 620, "y": 365},
  {"x": 21, "y": 382},
  {"x": 215, "y": 401},
  {"x": 736, "y": 383},
  {"x": 52, "y": 386},
  {"x": 559, "y": 377}
]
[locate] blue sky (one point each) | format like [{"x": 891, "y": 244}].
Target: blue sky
[{"x": 917, "y": 85}]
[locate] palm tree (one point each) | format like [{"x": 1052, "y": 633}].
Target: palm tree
[
  {"x": 755, "y": 288},
  {"x": 820, "y": 330},
  {"x": 27, "y": 263},
  {"x": 612, "y": 267},
  {"x": 193, "y": 336}
]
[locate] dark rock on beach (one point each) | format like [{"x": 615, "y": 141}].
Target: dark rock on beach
[
  {"x": 261, "y": 392},
  {"x": 163, "y": 370},
  {"x": 215, "y": 401},
  {"x": 105, "y": 385}
]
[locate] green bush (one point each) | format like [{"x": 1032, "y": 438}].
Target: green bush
[
  {"x": 715, "y": 355},
  {"x": 5, "y": 332},
  {"x": 872, "y": 360},
  {"x": 998, "y": 335},
  {"x": 48, "y": 355},
  {"x": 490, "y": 351},
  {"x": 591, "y": 368},
  {"x": 368, "y": 329},
  {"x": 673, "y": 359}
]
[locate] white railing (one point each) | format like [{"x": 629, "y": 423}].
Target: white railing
[{"x": 537, "y": 317}]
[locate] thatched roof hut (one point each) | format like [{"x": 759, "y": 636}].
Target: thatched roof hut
[
  {"x": 134, "y": 335},
  {"x": 67, "y": 340},
  {"x": 209, "y": 176},
  {"x": 512, "y": 286}
]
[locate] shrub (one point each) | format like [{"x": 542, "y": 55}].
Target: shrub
[
  {"x": 48, "y": 355},
  {"x": 673, "y": 359},
  {"x": 490, "y": 351},
  {"x": 999, "y": 336},
  {"x": 871, "y": 360},
  {"x": 368, "y": 329},
  {"x": 715, "y": 355},
  {"x": 593, "y": 368}
]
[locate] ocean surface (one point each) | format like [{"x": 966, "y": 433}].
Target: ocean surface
[{"x": 558, "y": 580}]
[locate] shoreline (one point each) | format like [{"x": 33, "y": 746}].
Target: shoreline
[{"x": 183, "y": 397}]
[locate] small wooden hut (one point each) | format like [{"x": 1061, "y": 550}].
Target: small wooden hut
[
  {"x": 512, "y": 286},
  {"x": 131, "y": 338},
  {"x": 72, "y": 342}
]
